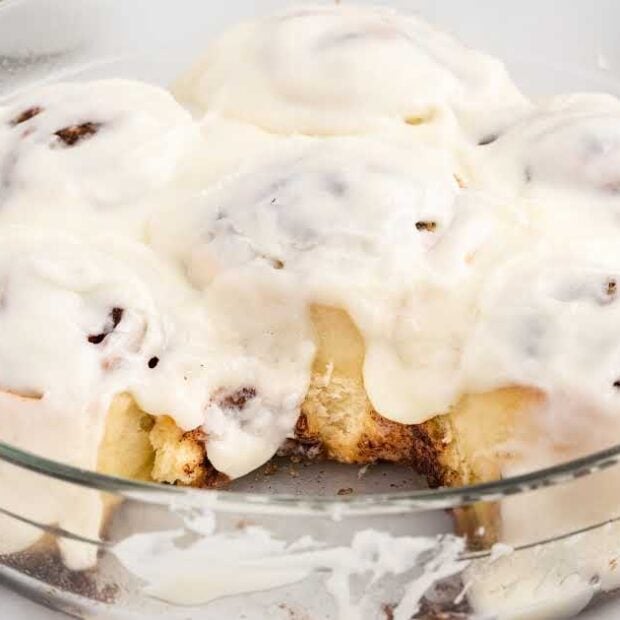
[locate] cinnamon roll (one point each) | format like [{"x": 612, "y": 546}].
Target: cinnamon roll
[
  {"x": 327, "y": 70},
  {"x": 89, "y": 155}
]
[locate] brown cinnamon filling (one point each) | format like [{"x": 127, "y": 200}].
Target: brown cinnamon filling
[
  {"x": 611, "y": 288},
  {"x": 427, "y": 226},
  {"x": 115, "y": 317},
  {"x": 26, "y": 115},
  {"x": 70, "y": 136},
  {"x": 237, "y": 399}
]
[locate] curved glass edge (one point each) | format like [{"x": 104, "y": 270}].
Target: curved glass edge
[
  {"x": 419, "y": 500},
  {"x": 376, "y": 503}
]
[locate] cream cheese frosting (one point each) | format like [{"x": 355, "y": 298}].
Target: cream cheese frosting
[
  {"x": 323, "y": 71},
  {"x": 176, "y": 258},
  {"x": 90, "y": 155},
  {"x": 357, "y": 224}
]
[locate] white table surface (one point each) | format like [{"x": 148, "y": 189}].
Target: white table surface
[{"x": 13, "y": 607}]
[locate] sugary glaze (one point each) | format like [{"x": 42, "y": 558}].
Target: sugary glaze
[
  {"x": 469, "y": 234},
  {"x": 320, "y": 71},
  {"x": 357, "y": 224},
  {"x": 89, "y": 155}
]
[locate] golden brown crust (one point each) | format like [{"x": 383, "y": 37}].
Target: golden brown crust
[
  {"x": 180, "y": 457},
  {"x": 461, "y": 447}
]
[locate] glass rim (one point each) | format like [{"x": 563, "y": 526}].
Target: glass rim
[
  {"x": 374, "y": 503},
  {"x": 418, "y": 500}
]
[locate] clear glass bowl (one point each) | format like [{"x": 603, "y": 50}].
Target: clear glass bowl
[{"x": 311, "y": 541}]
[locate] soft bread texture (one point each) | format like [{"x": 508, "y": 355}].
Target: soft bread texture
[
  {"x": 461, "y": 447},
  {"x": 180, "y": 456},
  {"x": 468, "y": 446},
  {"x": 139, "y": 446},
  {"x": 336, "y": 410},
  {"x": 126, "y": 449}
]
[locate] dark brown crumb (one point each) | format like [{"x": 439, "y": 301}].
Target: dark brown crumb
[
  {"x": 617, "y": 384},
  {"x": 237, "y": 399},
  {"x": 347, "y": 491},
  {"x": 212, "y": 478},
  {"x": 153, "y": 362},
  {"x": 434, "y": 611},
  {"x": 306, "y": 446},
  {"x": 70, "y": 136},
  {"x": 115, "y": 317},
  {"x": 97, "y": 338},
  {"x": 611, "y": 288},
  {"x": 444, "y": 608},
  {"x": 270, "y": 469},
  {"x": 26, "y": 115},
  {"x": 302, "y": 449},
  {"x": 426, "y": 226}
]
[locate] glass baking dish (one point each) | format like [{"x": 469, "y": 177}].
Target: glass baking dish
[{"x": 300, "y": 541}]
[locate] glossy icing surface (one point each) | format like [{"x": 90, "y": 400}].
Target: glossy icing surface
[{"x": 470, "y": 234}]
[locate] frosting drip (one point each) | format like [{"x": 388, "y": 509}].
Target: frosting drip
[{"x": 469, "y": 234}]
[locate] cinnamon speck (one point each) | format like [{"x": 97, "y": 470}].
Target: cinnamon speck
[
  {"x": 115, "y": 317},
  {"x": 26, "y": 115},
  {"x": 96, "y": 338},
  {"x": 426, "y": 225},
  {"x": 270, "y": 469},
  {"x": 70, "y": 136},
  {"x": 611, "y": 288},
  {"x": 237, "y": 399}
]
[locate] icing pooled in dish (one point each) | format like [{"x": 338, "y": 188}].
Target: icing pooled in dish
[{"x": 341, "y": 70}]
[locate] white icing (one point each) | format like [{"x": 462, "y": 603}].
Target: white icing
[
  {"x": 228, "y": 563},
  {"x": 554, "y": 580},
  {"x": 509, "y": 281},
  {"x": 341, "y": 223},
  {"x": 549, "y": 319},
  {"x": 138, "y": 141},
  {"x": 56, "y": 385},
  {"x": 322, "y": 70}
]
